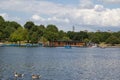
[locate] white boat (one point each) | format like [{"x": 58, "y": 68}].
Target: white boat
[
  {"x": 103, "y": 47},
  {"x": 94, "y": 46},
  {"x": 1, "y": 44}
]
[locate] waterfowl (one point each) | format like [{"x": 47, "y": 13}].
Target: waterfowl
[
  {"x": 18, "y": 75},
  {"x": 34, "y": 76}
]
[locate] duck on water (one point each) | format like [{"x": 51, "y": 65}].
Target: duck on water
[
  {"x": 35, "y": 76},
  {"x": 18, "y": 75}
]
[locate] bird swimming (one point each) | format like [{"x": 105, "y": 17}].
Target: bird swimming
[
  {"x": 18, "y": 75},
  {"x": 34, "y": 76}
]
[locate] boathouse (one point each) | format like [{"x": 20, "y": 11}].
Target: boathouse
[{"x": 64, "y": 43}]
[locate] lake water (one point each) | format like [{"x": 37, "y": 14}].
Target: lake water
[{"x": 60, "y": 63}]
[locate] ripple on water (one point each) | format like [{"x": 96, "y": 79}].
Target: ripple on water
[{"x": 60, "y": 63}]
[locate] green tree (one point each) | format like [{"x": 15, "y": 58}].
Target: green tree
[
  {"x": 43, "y": 39},
  {"x": 113, "y": 40},
  {"x": 105, "y": 36},
  {"x": 86, "y": 40},
  {"x": 52, "y": 28},
  {"x": 63, "y": 36},
  {"x": 95, "y": 37},
  {"x": 12, "y": 24},
  {"x": 71, "y": 35},
  {"x": 41, "y": 27},
  {"x": 41, "y": 30},
  {"x": 51, "y": 33},
  {"x": 117, "y": 34},
  {"x": 28, "y": 25},
  {"x": 80, "y": 36},
  {"x": 34, "y": 34},
  {"x": 34, "y": 38},
  {"x": 51, "y": 36},
  {"x": 2, "y": 21},
  {"x": 77, "y": 36},
  {"x": 7, "y": 28},
  {"x": 18, "y": 35}
]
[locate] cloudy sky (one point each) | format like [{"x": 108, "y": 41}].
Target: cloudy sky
[{"x": 88, "y": 15}]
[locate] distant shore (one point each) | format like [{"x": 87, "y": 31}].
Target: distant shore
[
  {"x": 110, "y": 45},
  {"x": 40, "y": 45},
  {"x": 113, "y": 47}
]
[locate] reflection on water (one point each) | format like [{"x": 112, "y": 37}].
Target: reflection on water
[{"x": 60, "y": 63}]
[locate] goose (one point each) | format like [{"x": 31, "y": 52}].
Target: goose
[
  {"x": 34, "y": 76},
  {"x": 18, "y": 75}
]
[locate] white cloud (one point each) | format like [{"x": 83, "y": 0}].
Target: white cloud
[
  {"x": 99, "y": 8},
  {"x": 7, "y": 17},
  {"x": 99, "y": 16},
  {"x": 86, "y": 13},
  {"x": 86, "y": 4},
  {"x": 49, "y": 19},
  {"x": 111, "y": 17},
  {"x": 37, "y": 18},
  {"x": 33, "y": 6},
  {"x": 64, "y": 20},
  {"x": 4, "y": 15},
  {"x": 111, "y": 1}
]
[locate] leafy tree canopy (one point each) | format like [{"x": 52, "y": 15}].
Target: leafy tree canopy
[
  {"x": 1, "y": 20},
  {"x": 28, "y": 25},
  {"x": 113, "y": 40},
  {"x": 52, "y": 28}
]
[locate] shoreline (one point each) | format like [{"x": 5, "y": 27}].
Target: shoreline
[{"x": 42, "y": 45}]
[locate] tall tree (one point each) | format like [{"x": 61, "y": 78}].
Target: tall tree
[
  {"x": 51, "y": 36},
  {"x": 71, "y": 35},
  {"x": 63, "y": 36},
  {"x": 34, "y": 38},
  {"x": 52, "y": 28},
  {"x": 1, "y": 20},
  {"x": 18, "y": 35},
  {"x": 113, "y": 40},
  {"x": 34, "y": 34},
  {"x": 13, "y": 24},
  {"x": 28, "y": 25},
  {"x": 51, "y": 33}
]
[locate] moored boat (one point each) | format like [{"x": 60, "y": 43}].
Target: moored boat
[{"x": 67, "y": 46}]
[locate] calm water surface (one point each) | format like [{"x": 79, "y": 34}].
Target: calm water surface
[{"x": 60, "y": 63}]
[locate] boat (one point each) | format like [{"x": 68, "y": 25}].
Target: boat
[
  {"x": 67, "y": 46},
  {"x": 94, "y": 46},
  {"x": 2, "y": 45},
  {"x": 102, "y": 47}
]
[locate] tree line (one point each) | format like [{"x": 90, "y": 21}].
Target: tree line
[{"x": 30, "y": 33}]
